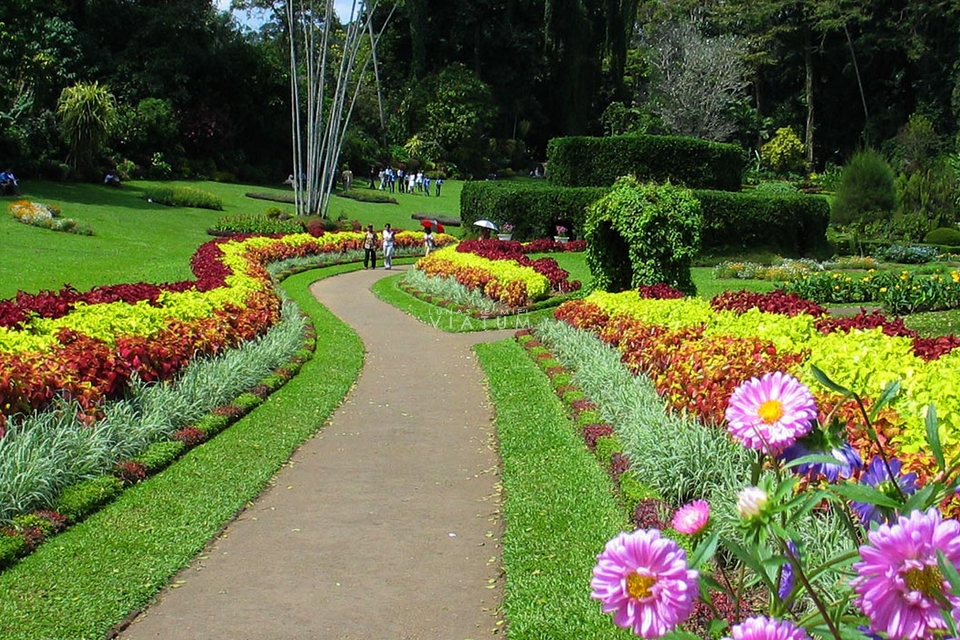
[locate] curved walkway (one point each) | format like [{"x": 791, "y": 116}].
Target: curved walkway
[{"x": 382, "y": 526}]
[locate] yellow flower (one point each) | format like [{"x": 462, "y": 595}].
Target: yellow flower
[{"x": 883, "y": 289}]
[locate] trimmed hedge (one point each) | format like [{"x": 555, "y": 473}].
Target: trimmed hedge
[
  {"x": 791, "y": 224},
  {"x": 534, "y": 208},
  {"x": 597, "y": 162}
]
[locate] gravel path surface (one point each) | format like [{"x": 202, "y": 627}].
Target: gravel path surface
[{"x": 384, "y": 525}]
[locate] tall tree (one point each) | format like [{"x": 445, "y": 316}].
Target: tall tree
[{"x": 87, "y": 112}]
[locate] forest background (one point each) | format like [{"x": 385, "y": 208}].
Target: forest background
[{"x": 472, "y": 88}]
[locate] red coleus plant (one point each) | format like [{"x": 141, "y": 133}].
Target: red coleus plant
[{"x": 788, "y": 304}]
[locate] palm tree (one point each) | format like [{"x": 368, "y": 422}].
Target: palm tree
[{"x": 87, "y": 113}]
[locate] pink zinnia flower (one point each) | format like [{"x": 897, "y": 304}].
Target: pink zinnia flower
[
  {"x": 692, "y": 518},
  {"x": 899, "y": 582},
  {"x": 644, "y": 581},
  {"x": 769, "y": 413},
  {"x": 761, "y": 628}
]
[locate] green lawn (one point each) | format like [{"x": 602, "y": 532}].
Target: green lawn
[{"x": 135, "y": 240}]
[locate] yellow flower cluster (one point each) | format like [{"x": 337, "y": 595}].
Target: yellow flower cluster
[{"x": 448, "y": 262}]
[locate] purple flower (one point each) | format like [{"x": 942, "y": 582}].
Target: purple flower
[
  {"x": 692, "y": 518},
  {"x": 769, "y": 413},
  {"x": 899, "y": 584},
  {"x": 644, "y": 581},
  {"x": 761, "y": 628},
  {"x": 787, "y": 578},
  {"x": 877, "y": 476},
  {"x": 823, "y": 442}
]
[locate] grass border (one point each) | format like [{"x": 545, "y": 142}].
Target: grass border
[
  {"x": 559, "y": 508},
  {"x": 90, "y": 577}
]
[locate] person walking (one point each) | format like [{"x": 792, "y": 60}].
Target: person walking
[
  {"x": 387, "y": 246},
  {"x": 428, "y": 242},
  {"x": 439, "y": 184},
  {"x": 370, "y": 248},
  {"x": 426, "y": 185}
]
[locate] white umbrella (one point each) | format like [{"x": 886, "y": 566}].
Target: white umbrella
[{"x": 487, "y": 224}]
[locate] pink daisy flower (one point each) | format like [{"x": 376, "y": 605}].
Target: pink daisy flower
[
  {"x": 761, "y": 628},
  {"x": 691, "y": 518},
  {"x": 769, "y": 413},
  {"x": 643, "y": 579},
  {"x": 899, "y": 582}
]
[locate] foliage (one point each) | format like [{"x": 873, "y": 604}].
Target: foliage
[
  {"x": 916, "y": 145},
  {"x": 930, "y": 195},
  {"x": 696, "y": 79},
  {"x": 643, "y": 234},
  {"x": 534, "y": 208},
  {"x": 867, "y": 192},
  {"x": 87, "y": 114},
  {"x": 784, "y": 152},
  {"x": 177, "y": 196},
  {"x": 944, "y": 236},
  {"x": 255, "y": 224},
  {"x": 698, "y": 164},
  {"x": 46, "y": 217}
]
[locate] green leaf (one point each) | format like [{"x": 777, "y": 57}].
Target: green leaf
[
  {"x": 889, "y": 393},
  {"x": 920, "y": 500},
  {"x": 813, "y": 457},
  {"x": 749, "y": 560},
  {"x": 704, "y": 550},
  {"x": 933, "y": 436},
  {"x": 827, "y": 382},
  {"x": 866, "y": 493}
]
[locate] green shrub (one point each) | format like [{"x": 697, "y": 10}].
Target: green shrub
[
  {"x": 159, "y": 455},
  {"x": 11, "y": 548},
  {"x": 589, "y": 416},
  {"x": 595, "y": 162},
  {"x": 946, "y": 236},
  {"x": 606, "y": 447},
  {"x": 247, "y": 401},
  {"x": 183, "y": 197},
  {"x": 633, "y": 491},
  {"x": 930, "y": 194},
  {"x": 212, "y": 424},
  {"x": 34, "y": 521},
  {"x": 867, "y": 191},
  {"x": 643, "y": 234},
  {"x": 787, "y": 224},
  {"x": 263, "y": 225},
  {"x": 83, "y": 498},
  {"x": 572, "y": 395},
  {"x": 561, "y": 380},
  {"x": 784, "y": 152},
  {"x": 534, "y": 207}
]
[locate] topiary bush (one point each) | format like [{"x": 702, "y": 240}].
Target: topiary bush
[
  {"x": 867, "y": 191},
  {"x": 643, "y": 234},
  {"x": 945, "y": 236}
]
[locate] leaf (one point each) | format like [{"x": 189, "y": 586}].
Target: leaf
[
  {"x": 813, "y": 457},
  {"x": 933, "y": 436},
  {"x": 889, "y": 393},
  {"x": 866, "y": 493},
  {"x": 827, "y": 382},
  {"x": 749, "y": 560},
  {"x": 704, "y": 550}
]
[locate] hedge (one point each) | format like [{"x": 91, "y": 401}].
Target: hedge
[
  {"x": 534, "y": 208},
  {"x": 790, "y": 224},
  {"x": 597, "y": 162}
]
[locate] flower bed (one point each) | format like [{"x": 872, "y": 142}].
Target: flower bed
[
  {"x": 87, "y": 346},
  {"x": 696, "y": 354}
]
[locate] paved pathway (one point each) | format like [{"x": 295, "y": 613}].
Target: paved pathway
[{"x": 382, "y": 526}]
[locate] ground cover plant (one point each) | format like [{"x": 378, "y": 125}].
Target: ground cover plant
[
  {"x": 180, "y": 196},
  {"x": 45, "y": 216}
]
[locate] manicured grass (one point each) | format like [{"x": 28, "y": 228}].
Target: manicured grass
[
  {"x": 935, "y": 323},
  {"x": 87, "y": 579},
  {"x": 138, "y": 241},
  {"x": 708, "y": 286},
  {"x": 559, "y": 507}
]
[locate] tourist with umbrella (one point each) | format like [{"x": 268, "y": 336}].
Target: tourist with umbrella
[{"x": 486, "y": 226}]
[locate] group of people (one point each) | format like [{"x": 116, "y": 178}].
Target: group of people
[
  {"x": 386, "y": 240},
  {"x": 405, "y": 182},
  {"x": 8, "y": 183}
]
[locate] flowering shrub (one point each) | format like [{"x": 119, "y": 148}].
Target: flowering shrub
[
  {"x": 903, "y": 581},
  {"x": 561, "y": 230},
  {"x": 899, "y": 293}
]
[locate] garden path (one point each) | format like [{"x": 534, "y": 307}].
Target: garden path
[{"x": 384, "y": 525}]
